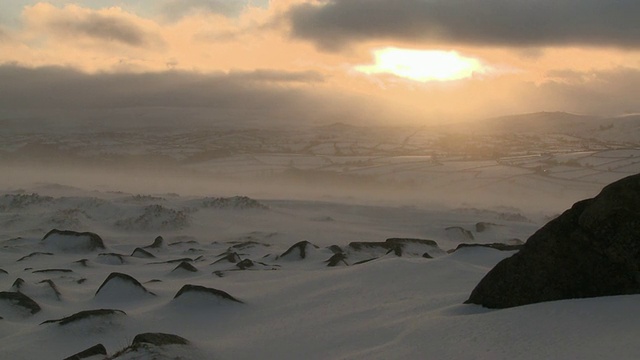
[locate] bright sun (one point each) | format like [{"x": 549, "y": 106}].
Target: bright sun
[{"x": 422, "y": 65}]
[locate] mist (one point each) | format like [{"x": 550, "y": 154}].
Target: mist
[{"x": 517, "y": 162}]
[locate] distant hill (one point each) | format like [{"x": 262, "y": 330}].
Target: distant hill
[
  {"x": 539, "y": 122},
  {"x": 620, "y": 129}
]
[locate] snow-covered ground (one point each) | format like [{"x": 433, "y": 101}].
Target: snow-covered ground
[
  {"x": 331, "y": 243},
  {"x": 392, "y": 306}
]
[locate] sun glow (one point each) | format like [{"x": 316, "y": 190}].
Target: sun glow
[{"x": 422, "y": 65}]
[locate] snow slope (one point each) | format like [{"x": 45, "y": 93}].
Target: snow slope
[{"x": 289, "y": 306}]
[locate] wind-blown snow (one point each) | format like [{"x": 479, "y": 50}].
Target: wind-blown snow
[{"x": 392, "y": 306}]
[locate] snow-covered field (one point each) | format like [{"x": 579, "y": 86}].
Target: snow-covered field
[
  {"x": 407, "y": 306},
  {"x": 344, "y": 249}
]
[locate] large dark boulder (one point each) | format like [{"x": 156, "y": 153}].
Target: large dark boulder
[{"x": 592, "y": 249}]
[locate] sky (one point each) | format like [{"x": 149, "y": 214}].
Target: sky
[{"x": 322, "y": 61}]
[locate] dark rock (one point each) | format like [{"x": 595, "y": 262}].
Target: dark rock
[
  {"x": 247, "y": 244},
  {"x": 298, "y": 250},
  {"x": 21, "y": 300},
  {"x": 228, "y": 256},
  {"x": 82, "y": 262},
  {"x": 3, "y": 271},
  {"x": 72, "y": 240},
  {"x": 142, "y": 253},
  {"x": 95, "y": 350},
  {"x": 497, "y": 246},
  {"x": 53, "y": 287},
  {"x": 18, "y": 284},
  {"x": 81, "y": 281},
  {"x": 364, "y": 261},
  {"x": 127, "y": 279},
  {"x": 52, "y": 270},
  {"x": 187, "y": 242},
  {"x": 172, "y": 261},
  {"x": 459, "y": 231},
  {"x": 427, "y": 256},
  {"x": 336, "y": 259},
  {"x": 592, "y": 249},
  {"x": 387, "y": 246},
  {"x": 185, "y": 266},
  {"x": 245, "y": 264},
  {"x": 34, "y": 254},
  {"x": 157, "y": 243},
  {"x": 159, "y": 339},
  {"x": 411, "y": 241},
  {"x": 335, "y": 249},
  {"x": 111, "y": 257},
  {"x": 197, "y": 289},
  {"x": 395, "y": 245},
  {"x": 85, "y": 315}
]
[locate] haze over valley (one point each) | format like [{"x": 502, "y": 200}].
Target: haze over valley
[{"x": 301, "y": 179}]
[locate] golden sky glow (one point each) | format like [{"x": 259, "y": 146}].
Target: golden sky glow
[
  {"x": 422, "y": 65},
  {"x": 413, "y": 65}
]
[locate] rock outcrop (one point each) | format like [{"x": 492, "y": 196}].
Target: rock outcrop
[
  {"x": 121, "y": 287},
  {"x": 96, "y": 350},
  {"x": 592, "y": 249},
  {"x": 72, "y": 241},
  {"x": 203, "y": 293},
  {"x": 86, "y": 314}
]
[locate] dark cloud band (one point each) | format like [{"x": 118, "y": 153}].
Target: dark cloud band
[
  {"x": 337, "y": 23},
  {"x": 175, "y": 9},
  {"x": 101, "y": 27}
]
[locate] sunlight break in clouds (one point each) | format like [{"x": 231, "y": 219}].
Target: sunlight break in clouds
[{"x": 422, "y": 65}]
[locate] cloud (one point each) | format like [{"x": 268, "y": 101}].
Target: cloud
[
  {"x": 596, "y": 92},
  {"x": 105, "y": 25},
  {"x": 268, "y": 96},
  {"x": 101, "y": 27},
  {"x": 515, "y": 23},
  {"x": 176, "y": 9},
  {"x": 276, "y": 76}
]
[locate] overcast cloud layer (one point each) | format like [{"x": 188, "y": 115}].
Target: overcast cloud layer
[
  {"x": 228, "y": 60},
  {"x": 269, "y": 97},
  {"x": 273, "y": 97},
  {"x": 488, "y": 22},
  {"x": 176, "y": 9}
]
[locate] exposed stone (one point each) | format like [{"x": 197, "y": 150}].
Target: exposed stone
[
  {"x": 197, "y": 289},
  {"x": 336, "y": 259},
  {"x": 298, "y": 250},
  {"x": 37, "y": 253},
  {"x": 456, "y": 233},
  {"x": 142, "y": 254},
  {"x": 21, "y": 300},
  {"x": 95, "y": 350},
  {"x": 128, "y": 281},
  {"x": 67, "y": 240},
  {"x": 159, "y": 339},
  {"x": 245, "y": 264},
  {"x": 186, "y": 267},
  {"x": 85, "y": 315},
  {"x": 497, "y": 246},
  {"x": 157, "y": 243},
  {"x": 592, "y": 249},
  {"x": 228, "y": 256}
]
